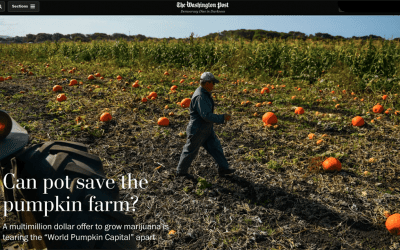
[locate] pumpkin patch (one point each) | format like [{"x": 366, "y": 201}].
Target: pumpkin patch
[{"x": 138, "y": 128}]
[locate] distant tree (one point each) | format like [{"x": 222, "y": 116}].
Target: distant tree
[
  {"x": 41, "y": 37},
  {"x": 77, "y": 38},
  {"x": 116, "y": 36},
  {"x": 56, "y": 37}
]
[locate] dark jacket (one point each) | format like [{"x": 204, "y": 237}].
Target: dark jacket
[{"x": 202, "y": 115}]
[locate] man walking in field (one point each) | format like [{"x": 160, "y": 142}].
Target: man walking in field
[{"x": 200, "y": 131}]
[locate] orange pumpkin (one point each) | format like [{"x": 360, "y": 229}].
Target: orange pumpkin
[
  {"x": 332, "y": 164},
  {"x": 163, "y": 121},
  {"x": 377, "y": 108},
  {"x": 185, "y": 103},
  {"x": 9, "y": 78},
  {"x": 144, "y": 99},
  {"x": 119, "y": 77},
  {"x": 258, "y": 105},
  {"x": 135, "y": 85},
  {"x": 57, "y": 88},
  {"x": 299, "y": 110},
  {"x": 1, "y": 79},
  {"x": 357, "y": 121},
  {"x": 174, "y": 87},
  {"x": 90, "y": 77},
  {"x": 311, "y": 136},
  {"x": 269, "y": 118},
  {"x": 61, "y": 97},
  {"x": 393, "y": 224},
  {"x": 73, "y": 82},
  {"x": 384, "y": 97},
  {"x": 97, "y": 75},
  {"x": 105, "y": 117},
  {"x": 265, "y": 90},
  {"x": 152, "y": 94},
  {"x": 166, "y": 73}
]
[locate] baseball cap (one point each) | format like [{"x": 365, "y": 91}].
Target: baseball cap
[{"x": 208, "y": 77}]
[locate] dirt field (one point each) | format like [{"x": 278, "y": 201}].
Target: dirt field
[{"x": 273, "y": 201}]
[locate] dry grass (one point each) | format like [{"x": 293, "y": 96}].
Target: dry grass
[{"x": 280, "y": 198}]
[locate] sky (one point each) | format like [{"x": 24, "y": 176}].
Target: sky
[{"x": 387, "y": 27}]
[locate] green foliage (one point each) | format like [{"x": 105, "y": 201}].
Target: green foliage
[
  {"x": 203, "y": 184},
  {"x": 199, "y": 192},
  {"x": 305, "y": 59},
  {"x": 273, "y": 165}
]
